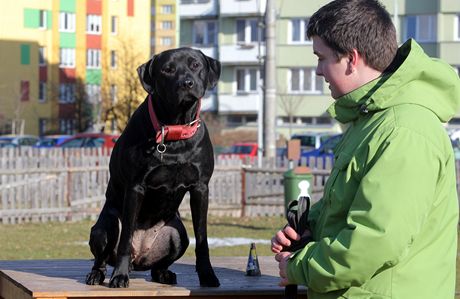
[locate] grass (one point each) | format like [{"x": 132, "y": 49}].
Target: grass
[{"x": 70, "y": 240}]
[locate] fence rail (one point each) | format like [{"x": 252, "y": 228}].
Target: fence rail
[{"x": 39, "y": 185}]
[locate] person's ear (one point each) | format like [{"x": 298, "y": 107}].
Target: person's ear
[
  {"x": 146, "y": 75},
  {"x": 353, "y": 60}
]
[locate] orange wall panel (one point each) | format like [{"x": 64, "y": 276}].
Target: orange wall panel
[
  {"x": 93, "y": 41},
  {"x": 94, "y": 7}
]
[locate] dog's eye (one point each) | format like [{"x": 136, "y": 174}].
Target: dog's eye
[
  {"x": 168, "y": 70},
  {"x": 195, "y": 65}
]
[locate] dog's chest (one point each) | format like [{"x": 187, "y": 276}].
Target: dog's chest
[{"x": 173, "y": 176}]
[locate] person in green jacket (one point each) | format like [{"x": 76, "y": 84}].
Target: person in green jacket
[{"x": 386, "y": 226}]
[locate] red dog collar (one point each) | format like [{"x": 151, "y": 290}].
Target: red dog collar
[{"x": 173, "y": 132}]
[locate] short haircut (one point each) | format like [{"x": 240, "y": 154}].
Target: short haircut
[{"x": 364, "y": 25}]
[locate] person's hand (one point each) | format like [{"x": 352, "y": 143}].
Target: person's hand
[
  {"x": 282, "y": 259},
  {"x": 283, "y": 239}
]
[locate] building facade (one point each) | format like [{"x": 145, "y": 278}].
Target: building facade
[
  {"x": 60, "y": 57},
  {"x": 232, "y": 31},
  {"x": 66, "y": 62}
]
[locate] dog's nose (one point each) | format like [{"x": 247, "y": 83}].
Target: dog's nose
[{"x": 188, "y": 83}]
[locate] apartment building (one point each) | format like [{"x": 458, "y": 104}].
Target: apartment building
[
  {"x": 232, "y": 31},
  {"x": 63, "y": 60}
]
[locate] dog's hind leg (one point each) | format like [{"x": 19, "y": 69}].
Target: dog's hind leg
[
  {"x": 170, "y": 244},
  {"x": 199, "y": 208},
  {"x": 103, "y": 241}
]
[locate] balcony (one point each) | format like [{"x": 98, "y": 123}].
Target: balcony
[
  {"x": 242, "y": 7},
  {"x": 238, "y": 103},
  {"x": 247, "y": 54},
  {"x": 210, "y": 51},
  {"x": 197, "y": 8},
  {"x": 209, "y": 102}
]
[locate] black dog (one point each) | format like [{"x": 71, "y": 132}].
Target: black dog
[{"x": 150, "y": 171}]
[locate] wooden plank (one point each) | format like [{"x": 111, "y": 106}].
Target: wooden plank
[{"x": 65, "y": 279}]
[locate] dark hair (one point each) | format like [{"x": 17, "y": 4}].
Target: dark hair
[{"x": 364, "y": 25}]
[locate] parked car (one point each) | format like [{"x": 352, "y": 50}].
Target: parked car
[
  {"x": 18, "y": 140},
  {"x": 52, "y": 140},
  {"x": 242, "y": 150},
  {"x": 313, "y": 140},
  {"x": 90, "y": 140},
  {"x": 325, "y": 151},
  {"x": 6, "y": 143}
]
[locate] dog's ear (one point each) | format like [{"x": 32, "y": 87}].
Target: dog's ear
[
  {"x": 146, "y": 75},
  {"x": 213, "y": 71}
]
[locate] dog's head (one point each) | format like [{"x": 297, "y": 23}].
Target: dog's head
[{"x": 182, "y": 74}]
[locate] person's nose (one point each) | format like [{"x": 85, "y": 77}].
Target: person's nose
[{"x": 319, "y": 72}]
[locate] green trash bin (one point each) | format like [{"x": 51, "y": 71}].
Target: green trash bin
[{"x": 292, "y": 178}]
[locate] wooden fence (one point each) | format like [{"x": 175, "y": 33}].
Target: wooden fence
[{"x": 39, "y": 185}]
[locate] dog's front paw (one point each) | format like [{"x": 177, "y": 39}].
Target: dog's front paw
[
  {"x": 208, "y": 279},
  {"x": 119, "y": 281},
  {"x": 96, "y": 276},
  {"x": 164, "y": 277}
]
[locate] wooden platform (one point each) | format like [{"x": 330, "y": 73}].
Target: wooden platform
[{"x": 61, "y": 279}]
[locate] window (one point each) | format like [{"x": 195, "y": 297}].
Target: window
[
  {"x": 166, "y": 9},
  {"x": 25, "y": 91},
  {"x": 66, "y": 126},
  {"x": 42, "y": 91},
  {"x": 42, "y": 122},
  {"x": 114, "y": 25},
  {"x": 67, "y": 56},
  {"x": 93, "y": 24},
  {"x": 42, "y": 21},
  {"x": 25, "y": 54},
  {"x": 247, "y": 80},
  {"x": 204, "y": 32},
  {"x": 248, "y": 31},
  {"x": 93, "y": 93},
  {"x": 304, "y": 80},
  {"x": 113, "y": 93},
  {"x": 41, "y": 56},
  {"x": 66, "y": 93},
  {"x": 166, "y": 25},
  {"x": 66, "y": 22},
  {"x": 166, "y": 41},
  {"x": 298, "y": 29},
  {"x": 113, "y": 59},
  {"x": 93, "y": 58},
  {"x": 421, "y": 27}
]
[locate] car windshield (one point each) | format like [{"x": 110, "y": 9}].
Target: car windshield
[
  {"x": 6, "y": 143},
  {"x": 241, "y": 149},
  {"x": 309, "y": 141},
  {"x": 48, "y": 142},
  {"x": 77, "y": 142},
  {"x": 94, "y": 142}
]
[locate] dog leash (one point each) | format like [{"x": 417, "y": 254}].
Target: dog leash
[
  {"x": 297, "y": 217},
  {"x": 172, "y": 132}
]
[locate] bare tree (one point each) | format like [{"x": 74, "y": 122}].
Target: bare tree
[
  {"x": 84, "y": 109},
  {"x": 16, "y": 122},
  {"x": 290, "y": 104},
  {"x": 121, "y": 89}
]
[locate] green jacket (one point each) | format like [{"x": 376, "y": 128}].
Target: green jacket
[{"x": 386, "y": 226}]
